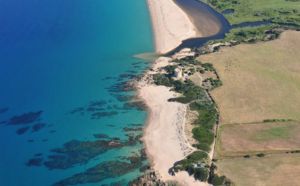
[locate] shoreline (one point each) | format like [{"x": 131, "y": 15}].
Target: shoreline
[{"x": 164, "y": 137}]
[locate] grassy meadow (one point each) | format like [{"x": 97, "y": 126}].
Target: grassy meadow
[
  {"x": 254, "y": 138},
  {"x": 271, "y": 170},
  {"x": 260, "y": 81},
  {"x": 258, "y": 140}
]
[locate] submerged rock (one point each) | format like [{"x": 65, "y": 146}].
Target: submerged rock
[
  {"x": 129, "y": 129},
  {"x": 22, "y": 130},
  {"x": 109, "y": 169},
  {"x": 98, "y": 115},
  {"x": 77, "y": 110},
  {"x": 37, "y": 127},
  {"x": 138, "y": 105},
  {"x": 78, "y": 152},
  {"x": 26, "y": 118},
  {"x": 3, "y": 110},
  {"x": 101, "y": 136},
  {"x": 2, "y": 122},
  {"x": 149, "y": 178},
  {"x": 35, "y": 162}
]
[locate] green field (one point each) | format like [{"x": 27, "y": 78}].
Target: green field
[{"x": 278, "y": 11}]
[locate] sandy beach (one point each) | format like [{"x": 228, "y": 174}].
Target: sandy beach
[
  {"x": 170, "y": 25},
  {"x": 164, "y": 136}
]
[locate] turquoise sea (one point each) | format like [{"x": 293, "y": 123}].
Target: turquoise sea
[{"x": 66, "y": 112}]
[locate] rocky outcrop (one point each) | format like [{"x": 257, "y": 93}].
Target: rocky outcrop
[{"x": 151, "y": 178}]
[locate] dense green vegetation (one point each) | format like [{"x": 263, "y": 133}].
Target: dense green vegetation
[
  {"x": 251, "y": 34},
  {"x": 216, "y": 180},
  {"x": 208, "y": 67},
  {"x": 285, "y": 12},
  {"x": 162, "y": 79},
  {"x": 276, "y": 13},
  {"x": 195, "y": 164}
]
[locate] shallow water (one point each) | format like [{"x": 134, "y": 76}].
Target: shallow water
[{"x": 62, "y": 68}]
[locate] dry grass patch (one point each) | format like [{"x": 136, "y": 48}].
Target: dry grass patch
[
  {"x": 260, "y": 81},
  {"x": 241, "y": 139},
  {"x": 272, "y": 170}
]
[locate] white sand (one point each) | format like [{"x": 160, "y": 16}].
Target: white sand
[
  {"x": 164, "y": 137},
  {"x": 171, "y": 25}
]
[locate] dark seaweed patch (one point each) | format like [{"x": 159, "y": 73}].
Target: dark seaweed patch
[
  {"x": 52, "y": 131},
  {"x": 118, "y": 183},
  {"x": 37, "y": 127},
  {"x": 100, "y": 103},
  {"x": 77, "y": 110},
  {"x": 22, "y": 130},
  {"x": 126, "y": 76},
  {"x": 136, "y": 124},
  {"x": 99, "y": 115},
  {"x": 102, "y": 171},
  {"x": 78, "y": 152},
  {"x": 2, "y": 122},
  {"x": 98, "y": 109},
  {"x": 26, "y": 118},
  {"x": 101, "y": 136},
  {"x": 108, "y": 78},
  {"x": 121, "y": 87},
  {"x": 3, "y": 110},
  {"x": 124, "y": 98},
  {"x": 38, "y": 154},
  {"x": 30, "y": 141},
  {"x": 35, "y": 162},
  {"x": 138, "y": 105},
  {"x": 129, "y": 129}
]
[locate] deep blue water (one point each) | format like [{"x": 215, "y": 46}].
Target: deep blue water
[{"x": 62, "y": 67}]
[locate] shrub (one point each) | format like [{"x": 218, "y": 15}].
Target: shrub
[
  {"x": 260, "y": 155},
  {"x": 208, "y": 67},
  {"x": 201, "y": 174},
  {"x": 203, "y": 136},
  {"x": 183, "y": 100},
  {"x": 215, "y": 83},
  {"x": 170, "y": 69},
  {"x": 189, "y": 90},
  {"x": 203, "y": 146},
  {"x": 207, "y": 118},
  {"x": 162, "y": 79},
  {"x": 194, "y": 158}
]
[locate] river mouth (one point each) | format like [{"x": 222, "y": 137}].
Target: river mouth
[{"x": 211, "y": 25}]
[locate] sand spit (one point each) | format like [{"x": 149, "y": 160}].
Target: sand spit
[{"x": 170, "y": 24}]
